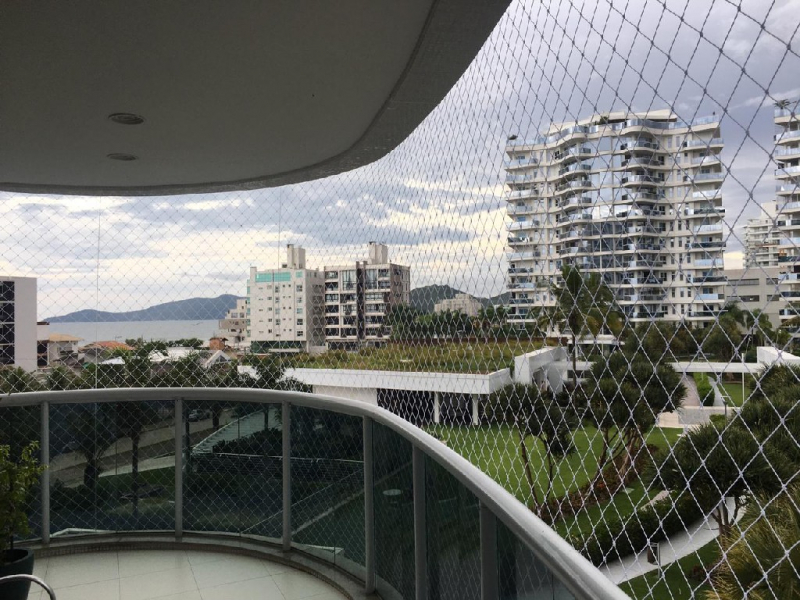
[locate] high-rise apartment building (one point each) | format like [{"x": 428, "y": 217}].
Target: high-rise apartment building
[
  {"x": 633, "y": 197},
  {"x": 284, "y": 306},
  {"x": 787, "y": 175},
  {"x": 233, "y": 328},
  {"x": 18, "y": 333},
  {"x": 359, "y": 296},
  {"x": 762, "y": 237}
]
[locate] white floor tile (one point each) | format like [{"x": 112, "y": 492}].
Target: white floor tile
[
  {"x": 40, "y": 567},
  {"x": 198, "y": 557},
  {"x": 252, "y": 589},
  {"x": 79, "y": 569},
  {"x": 274, "y": 568},
  {"x": 147, "y": 561},
  {"x": 236, "y": 568},
  {"x": 102, "y": 590},
  {"x": 296, "y": 585},
  {"x": 193, "y": 595},
  {"x": 153, "y": 585}
]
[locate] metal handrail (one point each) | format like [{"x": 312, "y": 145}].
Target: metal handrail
[
  {"x": 32, "y": 579},
  {"x": 582, "y": 578}
]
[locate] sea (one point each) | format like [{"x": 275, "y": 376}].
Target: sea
[{"x": 148, "y": 330}]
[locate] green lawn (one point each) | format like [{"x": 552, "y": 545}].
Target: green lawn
[
  {"x": 734, "y": 392},
  {"x": 451, "y": 357},
  {"x": 673, "y": 581}
]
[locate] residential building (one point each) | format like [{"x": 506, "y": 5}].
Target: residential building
[
  {"x": 635, "y": 198},
  {"x": 787, "y": 156},
  {"x": 762, "y": 237},
  {"x": 284, "y": 306},
  {"x": 463, "y": 303},
  {"x": 54, "y": 348},
  {"x": 359, "y": 296},
  {"x": 100, "y": 351},
  {"x": 756, "y": 288},
  {"x": 233, "y": 328},
  {"x": 18, "y": 323}
]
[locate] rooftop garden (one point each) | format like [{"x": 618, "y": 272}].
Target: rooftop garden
[{"x": 447, "y": 357}]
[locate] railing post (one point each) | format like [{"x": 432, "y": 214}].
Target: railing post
[
  {"x": 45, "y": 461},
  {"x": 369, "y": 509},
  {"x": 489, "y": 588},
  {"x": 179, "y": 430},
  {"x": 287, "y": 476},
  {"x": 420, "y": 530}
]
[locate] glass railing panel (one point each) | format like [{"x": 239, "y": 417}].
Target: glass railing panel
[
  {"x": 394, "y": 514},
  {"x": 453, "y": 535},
  {"x": 520, "y": 574},
  {"x": 233, "y": 469},
  {"x": 328, "y": 486},
  {"x": 112, "y": 466},
  {"x": 19, "y": 427}
]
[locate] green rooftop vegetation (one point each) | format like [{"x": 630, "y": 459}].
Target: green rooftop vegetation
[{"x": 448, "y": 357}]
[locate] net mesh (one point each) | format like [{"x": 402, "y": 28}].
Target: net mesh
[{"x": 581, "y": 272}]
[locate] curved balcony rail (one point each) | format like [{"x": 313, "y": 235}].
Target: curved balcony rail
[{"x": 343, "y": 481}]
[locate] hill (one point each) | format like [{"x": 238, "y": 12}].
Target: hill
[
  {"x": 193, "y": 309},
  {"x": 424, "y": 298}
]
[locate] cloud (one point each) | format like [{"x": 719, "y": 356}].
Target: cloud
[{"x": 438, "y": 199}]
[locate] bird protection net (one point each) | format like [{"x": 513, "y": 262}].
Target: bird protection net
[{"x": 581, "y": 272}]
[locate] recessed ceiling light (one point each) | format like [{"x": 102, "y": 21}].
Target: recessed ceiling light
[
  {"x": 126, "y": 118},
  {"x": 122, "y": 156}
]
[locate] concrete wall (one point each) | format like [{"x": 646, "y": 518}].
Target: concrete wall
[
  {"x": 541, "y": 367},
  {"x": 25, "y": 333}
]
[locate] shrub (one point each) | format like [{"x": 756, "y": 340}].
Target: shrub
[
  {"x": 704, "y": 389},
  {"x": 614, "y": 539}
]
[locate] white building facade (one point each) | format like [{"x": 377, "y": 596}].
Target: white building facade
[
  {"x": 634, "y": 197},
  {"x": 787, "y": 156},
  {"x": 284, "y": 306},
  {"x": 756, "y": 288},
  {"x": 463, "y": 303},
  {"x": 762, "y": 237},
  {"x": 18, "y": 326},
  {"x": 233, "y": 327},
  {"x": 359, "y": 296}
]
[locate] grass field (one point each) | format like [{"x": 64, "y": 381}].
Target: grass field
[
  {"x": 451, "y": 357},
  {"x": 673, "y": 580},
  {"x": 734, "y": 392}
]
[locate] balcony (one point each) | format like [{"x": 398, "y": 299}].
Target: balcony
[
  {"x": 528, "y": 224},
  {"x": 787, "y": 188},
  {"x": 513, "y": 163},
  {"x": 710, "y": 228},
  {"x": 784, "y": 137},
  {"x": 574, "y": 184},
  {"x": 718, "y": 176},
  {"x": 709, "y": 298},
  {"x": 641, "y": 180},
  {"x": 395, "y": 483},
  {"x": 787, "y": 172},
  {"x": 704, "y": 143},
  {"x": 707, "y": 194},
  {"x": 788, "y": 151}
]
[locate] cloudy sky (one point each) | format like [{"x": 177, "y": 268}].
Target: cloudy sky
[{"x": 438, "y": 198}]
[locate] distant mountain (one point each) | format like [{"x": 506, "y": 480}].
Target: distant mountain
[
  {"x": 193, "y": 309},
  {"x": 424, "y": 298}
]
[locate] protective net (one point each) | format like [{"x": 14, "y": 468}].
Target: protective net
[{"x": 581, "y": 272}]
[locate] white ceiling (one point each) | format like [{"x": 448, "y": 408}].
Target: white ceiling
[{"x": 235, "y": 95}]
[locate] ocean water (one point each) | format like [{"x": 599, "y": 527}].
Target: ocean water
[{"x": 149, "y": 330}]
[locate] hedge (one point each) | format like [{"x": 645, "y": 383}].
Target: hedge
[
  {"x": 704, "y": 389},
  {"x": 613, "y": 539}
]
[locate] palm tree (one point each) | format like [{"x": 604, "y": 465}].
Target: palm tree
[
  {"x": 583, "y": 306},
  {"x": 761, "y": 552}
]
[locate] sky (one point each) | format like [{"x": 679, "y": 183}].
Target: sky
[{"x": 437, "y": 199}]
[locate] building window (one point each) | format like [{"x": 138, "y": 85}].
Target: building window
[
  {"x": 299, "y": 321},
  {"x": 299, "y": 288}
]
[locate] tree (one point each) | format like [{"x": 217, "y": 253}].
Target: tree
[
  {"x": 761, "y": 552},
  {"x": 626, "y": 395},
  {"x": 93, "y": 430},
  {"x": 583, "y": 306},
  {"x": 714, "y": 462},
  {"x": 549, "y": 419},
  {"x": 723, "y": 338}
]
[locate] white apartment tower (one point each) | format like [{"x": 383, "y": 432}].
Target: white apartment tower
[
  {"x": 787, "y": 157},
  {"x": 359, "y": 296},
  {"x": 18, "y": 332},
  {"x": 284, "y": 306},
  {"x": 633, "y": 197},
  {"x": 762, "y": 237},
  {"x": 233, "y": 327}
]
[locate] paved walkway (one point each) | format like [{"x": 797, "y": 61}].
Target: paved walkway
[{"x": 678, "y": 546}]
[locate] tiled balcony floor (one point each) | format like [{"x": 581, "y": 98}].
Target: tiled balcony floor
[{"x": 174, "y": 575}]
